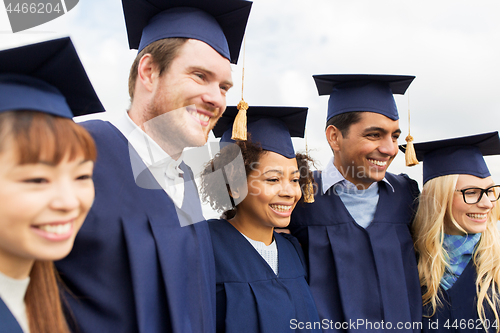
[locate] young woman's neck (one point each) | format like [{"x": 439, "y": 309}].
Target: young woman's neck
[
  {"x": 254, "y": 231},
  {"x": 17, "y": 268}
]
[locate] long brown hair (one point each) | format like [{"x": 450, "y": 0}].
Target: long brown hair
[
  {"x": 43, "y": 300},
  {"x": 36, "y": 136}
]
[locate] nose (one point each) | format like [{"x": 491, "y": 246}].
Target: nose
[
  {"x": 485, "y": 202},
  {"x": 287, "y": 189},
  {"x": 65, "y": 197},
  {"x": 388, "y": 146},
  {"x": 214, "y": 96}
]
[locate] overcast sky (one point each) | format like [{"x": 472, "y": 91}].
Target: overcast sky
[{"x": 452, "y": 47}]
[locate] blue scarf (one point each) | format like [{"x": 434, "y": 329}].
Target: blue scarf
[{"x": 459, "y": 249}]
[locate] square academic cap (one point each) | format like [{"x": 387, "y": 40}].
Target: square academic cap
[
  {"x": 270, "y": 126},
  {"x": 47, "y": 77},
  {"x": 362, "y": 92},
  {"x": 463, "y": 155},
  {"x": 219, "y": 23}
]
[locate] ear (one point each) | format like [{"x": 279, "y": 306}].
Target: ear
[
  {"x": 146, "y": 72},
  {"x": 334, "y": 137}
]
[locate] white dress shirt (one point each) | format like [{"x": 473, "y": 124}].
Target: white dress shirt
[
  {"x": 268, "y": 252},
  {"x": 167, "y": 174}
]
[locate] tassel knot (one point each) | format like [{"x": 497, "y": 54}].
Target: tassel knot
[
  {"x": 240, "y": 122},
  {"x": 410, "y": 155}
]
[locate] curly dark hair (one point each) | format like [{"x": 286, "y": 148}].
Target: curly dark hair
[{"x": 214, "y": 191}]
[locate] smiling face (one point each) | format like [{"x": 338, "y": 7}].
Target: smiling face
[
  {"x": 472, "y": 218},
  {"x": 191, "y": 95},
  {"x": 42, "y": 207},
  {"x": 363, "y": 155},
  {"x": 273, "y": 192}
]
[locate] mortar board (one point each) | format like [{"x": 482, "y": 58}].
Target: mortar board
[
  {"x": 219, "y": 23},
  {"x": 47, "y": 77},
  {"x": 463, "y": 155},
  {"x": 270, "y": 126},
  {"x": 362, "y": 92}
]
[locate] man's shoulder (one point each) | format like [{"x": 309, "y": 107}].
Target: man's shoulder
[
  {"x": 98, "y": 127},
  {"x": 94, "y": 124},
  {"x": 105, "y": 134},
  {"x": 402, "y": 177},
  {"x": 402, "y": 180}
]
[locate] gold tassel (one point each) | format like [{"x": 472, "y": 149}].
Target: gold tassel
[
  {"x": 410, "y": 156},
  {"x": 240, "y": 122},
  {"x": 309, "y": 192}
]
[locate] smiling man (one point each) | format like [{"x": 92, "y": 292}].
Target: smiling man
[
  {"x": 142, "y": 263},
  {"x": 356, "y": 235}
]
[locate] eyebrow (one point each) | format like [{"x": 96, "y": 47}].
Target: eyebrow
[
  {"x": 380, "y": 129},
  {"x": 279, "y": 171},
  {"x": 54, "y": 164},
  {"x": 475, "y": 186}
]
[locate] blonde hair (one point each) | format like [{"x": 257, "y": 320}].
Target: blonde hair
[{"x": 435, "y": 207}]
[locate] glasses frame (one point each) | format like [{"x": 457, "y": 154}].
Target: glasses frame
[{"x": 483, "y": 191}]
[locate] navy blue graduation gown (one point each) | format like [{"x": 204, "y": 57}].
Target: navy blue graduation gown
[
  {"x": 133, "y": 267},
  {"x": 459, "y": 310},
  {"x": 363, "y": 276},
  {"x": 8, "y": 323},
  {"x": 250, "y": 297}
]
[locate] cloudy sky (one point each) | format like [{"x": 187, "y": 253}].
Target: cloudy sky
[{"x": 451, "y": 46}]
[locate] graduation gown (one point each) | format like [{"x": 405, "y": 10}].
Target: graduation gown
[
  {"x": 250, "y": 297},
  {"x": 362, "y": 276},
  {"x": 8, "y": 323},
  {"x": 133, "y": 267},
  {"x": 459, "y": 310}
]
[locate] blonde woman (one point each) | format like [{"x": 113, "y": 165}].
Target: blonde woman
[{"x": 456, "y": 236}]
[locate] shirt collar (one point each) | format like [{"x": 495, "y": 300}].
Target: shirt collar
[
  {"x": 147, "y": 149},
  {"x": 331, "y": 176}
]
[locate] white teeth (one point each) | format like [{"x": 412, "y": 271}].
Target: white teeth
[
  {"x": 200, "y": 116},
  {"x": 379, "y": 163},
  {"x": 281, "y": 208},
  {"x": 57, "y": 229},
  {"x": 477, "y": 216}
]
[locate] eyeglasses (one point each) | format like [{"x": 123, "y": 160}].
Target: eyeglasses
[{"x": 473, "y": 195}]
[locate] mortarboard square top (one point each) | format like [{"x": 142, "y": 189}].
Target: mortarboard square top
[
  {"x": 219, "y": 23},
  {"x": 362, "y": 92},
  {"x": 270, "y": 126},
  {"x": 46, "y": 77},
  {"x": 463, "y": 155}
]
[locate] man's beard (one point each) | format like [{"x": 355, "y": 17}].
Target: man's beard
[{"x": 168, "y": 129}]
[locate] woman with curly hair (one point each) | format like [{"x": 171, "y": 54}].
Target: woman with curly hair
[
  {"x": 261, "y": 279},
  {"x": 456, "y": 235},
  {"x": 46, "y": 187}
]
